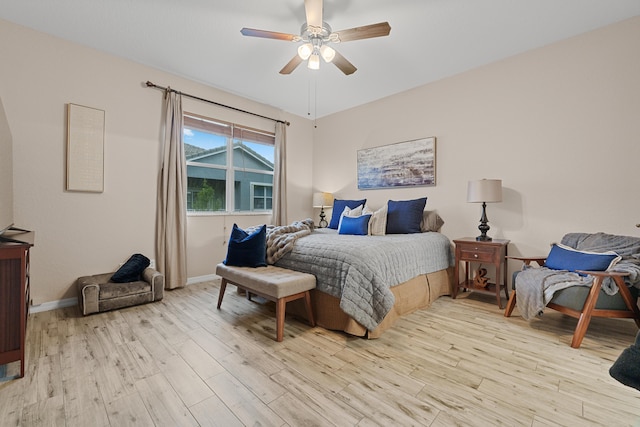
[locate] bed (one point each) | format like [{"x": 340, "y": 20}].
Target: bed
[{"x": 365, "y": 283}]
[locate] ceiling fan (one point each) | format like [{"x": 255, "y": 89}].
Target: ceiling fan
[{"x": 316, "y": 36}]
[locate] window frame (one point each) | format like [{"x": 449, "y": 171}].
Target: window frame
[
  {"x": 242, "y": 134},
  {"x": 252, "y": 196}
]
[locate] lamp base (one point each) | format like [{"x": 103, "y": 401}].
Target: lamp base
[
  {"x": 484, "y": 226},
  {"x": 323, "y": 222}
]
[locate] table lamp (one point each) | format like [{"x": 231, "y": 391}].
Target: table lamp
[
  {"x": 484, "y": 191},
  {"x": 322, "y": 200}
]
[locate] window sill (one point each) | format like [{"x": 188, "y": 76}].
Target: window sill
[{"x": 241, "y": 213}]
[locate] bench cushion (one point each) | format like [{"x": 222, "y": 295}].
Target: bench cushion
[{"x": 273, "y": 281}]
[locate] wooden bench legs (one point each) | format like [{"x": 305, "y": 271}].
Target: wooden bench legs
[
  {"x": 280, "y": 305},
  {"x": 223, "y": 287},
  {"x": 280, "y": 311}
]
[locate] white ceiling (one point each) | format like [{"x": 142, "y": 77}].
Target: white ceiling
[{"x": 201, "y": 40}]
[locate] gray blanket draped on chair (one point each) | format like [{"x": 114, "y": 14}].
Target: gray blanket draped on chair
[{"x": 536, "y": 286}]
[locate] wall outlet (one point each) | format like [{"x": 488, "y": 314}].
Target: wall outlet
[{"x": 152, "y": 264}]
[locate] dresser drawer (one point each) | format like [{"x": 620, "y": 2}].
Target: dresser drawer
[{"x": 476, "y": 254}]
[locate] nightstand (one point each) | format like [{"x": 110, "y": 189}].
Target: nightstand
[{"x": 469, "y": 250}]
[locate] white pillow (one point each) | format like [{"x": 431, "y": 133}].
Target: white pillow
[
  {"x": 378, "y": 221},
  {"x": 355, "y": 212}
]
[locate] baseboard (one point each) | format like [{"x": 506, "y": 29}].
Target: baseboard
[
  {"x": 52, "y": 305},
  {"x": 70, "y": 302},
  {"x": 199, "y": 279}
]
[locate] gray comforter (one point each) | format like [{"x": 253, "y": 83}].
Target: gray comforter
[
  {"x": 536, "y": 286},
  {"x": 360, "y": 269}
]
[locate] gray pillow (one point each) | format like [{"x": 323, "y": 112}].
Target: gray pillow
[{"x": 431, "y": 221}]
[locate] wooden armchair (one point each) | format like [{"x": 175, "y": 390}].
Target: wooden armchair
[{"x": 583, "y": 303}]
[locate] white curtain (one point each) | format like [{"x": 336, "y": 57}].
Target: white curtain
[
  {"x": 171, "y": 217},
  {"x": 280, "y": 176}
]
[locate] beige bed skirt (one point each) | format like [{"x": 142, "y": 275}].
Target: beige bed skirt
[{"x": 412, "y": 295}]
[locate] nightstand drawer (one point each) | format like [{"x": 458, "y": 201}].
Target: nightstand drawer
[{"x": 476, "y": 254}]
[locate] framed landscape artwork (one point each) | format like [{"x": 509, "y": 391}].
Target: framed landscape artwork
[{"x": 404, "y": 164}]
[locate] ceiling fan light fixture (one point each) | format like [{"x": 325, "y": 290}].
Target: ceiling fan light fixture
[
  {"x": 315, "y": 34},
  {"x": 327, "y": 53},
  {"x": 314, "y": 62},
  {"x": 305, "y": 51}
]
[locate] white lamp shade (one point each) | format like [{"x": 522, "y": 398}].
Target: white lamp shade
[
  {"x": 484, "y": 191},
  {"x": 322, "y": 200}
]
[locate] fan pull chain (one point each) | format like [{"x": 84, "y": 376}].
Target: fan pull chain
[
  {"x": 315, "y": 107},
  {"x": 315, "y": 99},
  {"x": 309, "y": 97}
]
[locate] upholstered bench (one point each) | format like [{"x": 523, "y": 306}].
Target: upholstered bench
[
  {"x": 98, "y": 293},
  {"x": 272, "y": 283}
]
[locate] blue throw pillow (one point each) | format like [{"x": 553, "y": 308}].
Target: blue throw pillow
[
  {"x": 247, "y": 250},
  {"x": 563, "y": 257},
  {"x": 131, "y": 270},
  {"x": 357, "y": 225},
  {"x": 405, "y": 216},
  {"x": 338, "y": 207}
]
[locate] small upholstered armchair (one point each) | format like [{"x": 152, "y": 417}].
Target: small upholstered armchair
[
  {"x": 134, "y": 283},
  {"x": 98, "y": 293},
  {"x": 586, "y": 275}
]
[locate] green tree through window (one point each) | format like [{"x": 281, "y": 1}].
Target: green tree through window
[{"x": 204, "y": 198}]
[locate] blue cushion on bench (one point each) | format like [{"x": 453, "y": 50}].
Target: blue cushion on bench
[{"x": 247, "y": 250}]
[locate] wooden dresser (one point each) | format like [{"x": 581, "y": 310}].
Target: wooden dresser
[{"x": 14, "y": 295}]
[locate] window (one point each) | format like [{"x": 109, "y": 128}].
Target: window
[
  {"x": 261, "y": 196},
  {"x": 229, "y": 167}
]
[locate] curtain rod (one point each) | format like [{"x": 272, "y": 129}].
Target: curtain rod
[{"x": 149, "y": 84}]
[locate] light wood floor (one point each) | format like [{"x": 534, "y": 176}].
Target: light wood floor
[{"x": 182, "y": 362}]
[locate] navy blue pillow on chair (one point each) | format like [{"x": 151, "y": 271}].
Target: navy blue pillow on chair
[
  {"x": 405, "y": 216},
  {"x": 131, "y": 270},
  {"x": 338, "y": 208},
  {"x": 247, "y": 250},
  {"x": 563, "y": 257}
]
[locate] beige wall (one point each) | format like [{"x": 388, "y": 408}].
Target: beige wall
[
  {"x": 559, "y": 125},
  {"x": 6, "y": 171},
  {"x": 84, "y": 233}
]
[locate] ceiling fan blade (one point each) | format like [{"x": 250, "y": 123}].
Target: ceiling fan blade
[
  {"x": 267, "y": 34},
  {"x": 291, "y": 65},
  {"x": 368, "y": 31},
  {"x": 344, "y": 65},
  {"x": 313, "y": 9}
]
